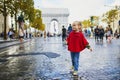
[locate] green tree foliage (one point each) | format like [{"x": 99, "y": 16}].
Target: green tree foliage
[
  {"x": 5, "y": 9},
  {"x": 95, "y": 20},
  {"x": 37, "y": 23},
  {"x": 110, "y": 16},
  {"x": 43, "y": 27},
  {"x": 27, "y": 7},
  {"x": 86, "y": 23},
  {"x": 13, "y": 7}
]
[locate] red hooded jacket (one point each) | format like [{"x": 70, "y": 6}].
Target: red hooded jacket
[{"x": 76, "y": 42}]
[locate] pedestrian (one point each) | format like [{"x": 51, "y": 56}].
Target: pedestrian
[
  {"x": 106, "y": 33},
  {"x": 116, "y": 34},
  {"x": 85, "y": 32},
  {"x": 45, "y": 35},
  {"x": 10, "y": 34},
  {"x": 96, "y": 31},
  {"x": 63, "y": 33},
  {"x": 21, "y": 34},
  {"x": 109, "y": 35},
  {"x": 26, "y": 34},
  {"x": 48, "y": 34},
  {"x": 69, "y": 29},
  {"x": 89, "y": 32},
  {"x": 76, "y": 43},
  {"x": 101, "y": 33},
  {"x": 2, "y": 34},
  {"x": 111, "y": 31},
  {"x": 30, "y": 35}
]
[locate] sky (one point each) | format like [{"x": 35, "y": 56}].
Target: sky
[{"x": 79, "y": 9}]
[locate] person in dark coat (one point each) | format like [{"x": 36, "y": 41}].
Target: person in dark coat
[
  {"x": 69, "y": 29},
  {"x": 64, "y": 33},
  {"x": 96, "y": 31},
  {"x": 101, "y": 33}
]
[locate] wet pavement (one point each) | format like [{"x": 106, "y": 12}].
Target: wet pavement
[
  {"x": 4, "y": 44},
  {"x": 49, "y": 59}
]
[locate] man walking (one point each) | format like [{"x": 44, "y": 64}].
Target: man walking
[
  {"x": 96, "y": 31},
  {"x": 69, "y": 28},
  {"x": 63, "y": 33}
]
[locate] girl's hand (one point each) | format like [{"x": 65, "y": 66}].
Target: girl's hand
[{"x": 91, "y": 49}]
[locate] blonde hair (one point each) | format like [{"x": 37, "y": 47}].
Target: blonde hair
[{"x": 77, "y": 23}]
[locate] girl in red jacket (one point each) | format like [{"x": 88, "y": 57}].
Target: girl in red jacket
[{"x": 76, "y": 43}]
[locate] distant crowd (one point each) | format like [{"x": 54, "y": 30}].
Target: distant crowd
[
  {"x": 98, "y": 32},
  {"x": 12, "y": 34}
]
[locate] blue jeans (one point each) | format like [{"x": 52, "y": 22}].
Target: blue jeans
[{"x": 75, "y": 60}]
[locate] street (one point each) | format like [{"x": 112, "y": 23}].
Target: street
[{"x": 49, "y": 59}]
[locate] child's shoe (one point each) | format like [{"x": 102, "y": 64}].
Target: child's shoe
[{"x": 75, "y": 73}]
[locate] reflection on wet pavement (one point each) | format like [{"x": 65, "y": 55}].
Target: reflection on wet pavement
[{"x": 50, "y": 60}]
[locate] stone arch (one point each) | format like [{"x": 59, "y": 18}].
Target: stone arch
[
  {"x": 58, "y": 14},
  {"x": 54, "y": 20}
]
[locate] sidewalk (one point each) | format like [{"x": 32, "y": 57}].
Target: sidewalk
[
  {"x": 8, "y": 43},
  {"x": 4, "y": 41}
]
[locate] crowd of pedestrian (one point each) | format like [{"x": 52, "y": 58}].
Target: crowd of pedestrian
[
  {"x": 87, "y": 32},
  {"x": 100, "y": 32}
]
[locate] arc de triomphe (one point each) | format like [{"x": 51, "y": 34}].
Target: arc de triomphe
[{"x": 57, "y": 14}]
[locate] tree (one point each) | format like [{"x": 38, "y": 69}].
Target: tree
[
  {"x": 94, "y": 20},
  {"x": 14, "y": 11},
  {"x": 5, "y": 7},
  {"x": 26, "y": 7},
  {"x": 86, "y": 23},
  {"x": 37, "y": 23},
  {"x": 43, "y": 27},
  {"x": 110, "y": 16}
]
